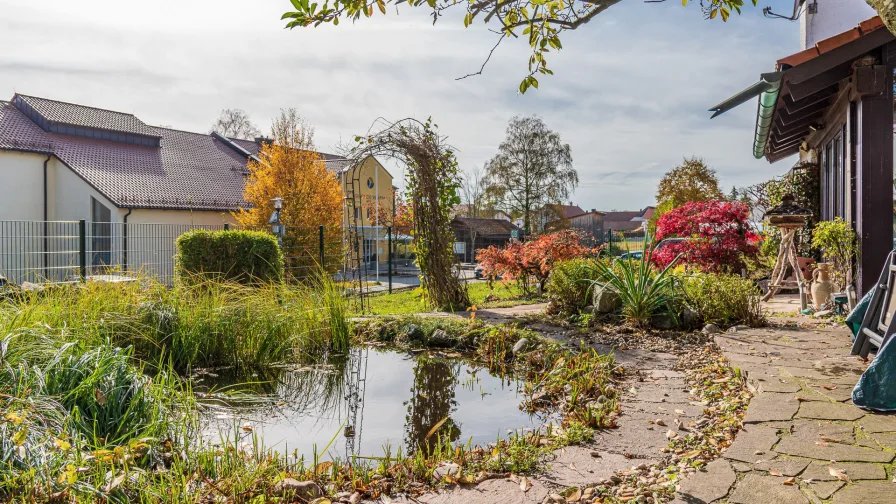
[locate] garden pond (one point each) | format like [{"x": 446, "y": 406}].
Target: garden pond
[{"x": 364, "y": 404}]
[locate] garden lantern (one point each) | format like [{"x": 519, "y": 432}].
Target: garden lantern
[
  {"x": 277, "y": 227},
  {"x": 788, "y": 217}
]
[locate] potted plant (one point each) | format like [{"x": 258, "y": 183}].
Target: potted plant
[{"x": 837, "y": 242}]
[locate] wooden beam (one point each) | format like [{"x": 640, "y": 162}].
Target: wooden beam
[
  {"x": 787, "y": 117},
  {"x": 795, "y": 106},
  {"x": 780, "y": 129},
  {"x": 776, "y": 155},
  {"x": 785, "y": 145},
  {"x": 824, "y": 80},
  {"x": 839, "y": 56},
  {"x": 874, "y": 181},
  {"x": 781, "y": 140}
]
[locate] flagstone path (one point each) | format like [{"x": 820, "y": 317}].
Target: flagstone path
[{"x": 803, "y": 440}]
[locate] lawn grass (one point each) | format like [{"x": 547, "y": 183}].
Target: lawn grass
[{"x": 409, "y": 302}]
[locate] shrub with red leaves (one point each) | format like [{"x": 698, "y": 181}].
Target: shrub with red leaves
[
  {"x": 532, "y": 260},
  {"x": 719, "y": 238}
]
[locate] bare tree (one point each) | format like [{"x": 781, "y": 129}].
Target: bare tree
[
  {"x": 472, "y": 187},
  {"x": 235, "y": 123},
  {"x": 533, "y": 168}
]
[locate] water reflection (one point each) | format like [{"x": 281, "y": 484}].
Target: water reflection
[
  {"x": 432, "y": 401},
  {"x": 365, "y": 396}
]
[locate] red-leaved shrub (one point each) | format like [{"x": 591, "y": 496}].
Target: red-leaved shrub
[
  {"x": 718, "y": 238},
  {"x": 531, "y": 260}
]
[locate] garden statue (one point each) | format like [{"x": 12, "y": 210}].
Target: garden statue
[
  {"x": 788, "y": 217},
  {"x": 822, "y": 287}
]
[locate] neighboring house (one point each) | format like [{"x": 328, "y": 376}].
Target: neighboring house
[
  {"x": 628, "y": 221},
  {"x": 65, "y": 162},
  {"x": 590, "y": 224},
  {"x": 472, "y": 235},
  {"x": 832, "y": 104},
  {"x": 465, "y": 210}
]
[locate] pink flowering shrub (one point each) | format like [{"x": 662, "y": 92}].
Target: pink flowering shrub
[{"x": 718, "y": 238}]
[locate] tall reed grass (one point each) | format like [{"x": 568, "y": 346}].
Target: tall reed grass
[{"x": 196, "y": 324}]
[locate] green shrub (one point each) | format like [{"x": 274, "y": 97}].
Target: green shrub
[
  {"x": 837, "y": 241},
  {"x": 644, "y": 292},
  {"x": 569, "y": 287},
  {"x": 241, "y": 256},
  {"x": 723, "y": 299}
]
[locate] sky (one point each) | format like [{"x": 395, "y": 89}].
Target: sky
[{"x": 630, "y": 92}]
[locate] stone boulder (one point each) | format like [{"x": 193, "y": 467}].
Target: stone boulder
[
  {"x": 520, "y": 346},
  {"x": 604, "y": 300},
  {"x": 306, "y": 491},
  {"x": 441, "y": 338}
]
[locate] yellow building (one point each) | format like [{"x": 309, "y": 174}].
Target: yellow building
[{"x": 374, "y": 200}]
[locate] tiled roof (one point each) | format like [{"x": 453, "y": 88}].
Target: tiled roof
[
  {"x": 334, "y": 162},
  {"x": 486, "y": 227},
  {"x": 830, "y": 43},
  {"x": 189, "y": 171},
  {"x": 80, "y": 115}
]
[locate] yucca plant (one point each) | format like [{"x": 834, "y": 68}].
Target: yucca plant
[{"x": 643, "y": 291}]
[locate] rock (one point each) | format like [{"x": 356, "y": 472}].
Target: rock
[
  {"x": 605, "y": 300},
  {"x": 737, "y": 328},
  {"x": 711, "y": 329},
  {"x": 441, "y": 338},
  {"x": 446, "y": 469},
  {"x": 413, "y": 332},
  {"x": 689, "y": 318},
  {"x": 663, "y": 321},
  {"x": 521, "y": 346},
  {"x": 305, "y": 490},
  {"x": 822, "y": 314},
  {"x": 28, "y": 287}
]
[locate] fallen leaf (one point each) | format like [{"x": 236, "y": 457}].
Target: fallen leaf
[
  {"x": 525, "y": 484},
  {"x": 574, "y": 496},
  {"x": 679, "y": 412},
  {"x": 100, "y": 397},
  {"x": 831, "y": 440},
  {"x": 435, "y": 428},
  {"x": 322, "y": 500},
  {"x": 115, "y": 483},
  {"x": 776, "y": 473},
  {"x": 829, "y": 387},
  {"x": 837, "y": 473},
  {"x": 671, "y": 434},
  {"x": 821, "y": 443},
  {"x": 790, "y": 481}
]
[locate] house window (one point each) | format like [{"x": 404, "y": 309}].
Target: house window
[
  {"x": 370, "y": 182},
  {"x": 834, "y": 182},
  {"x": 100, "y": 233}
]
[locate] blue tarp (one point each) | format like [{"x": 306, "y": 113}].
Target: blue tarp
[{"x": 877, "y": 387}]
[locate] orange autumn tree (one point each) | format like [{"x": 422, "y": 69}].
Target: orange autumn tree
[{"x": 290, "y": 168}]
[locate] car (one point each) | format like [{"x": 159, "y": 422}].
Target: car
[
  {"x": 478, "y": 274},
  {"x": 633, "y": 254}
]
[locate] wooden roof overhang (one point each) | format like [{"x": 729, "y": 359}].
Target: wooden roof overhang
[{"x": 804, "y": 88}]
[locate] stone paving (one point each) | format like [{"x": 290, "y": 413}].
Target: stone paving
[{"x": 803, "y": 440}]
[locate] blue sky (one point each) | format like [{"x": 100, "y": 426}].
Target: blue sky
[{"x": 630, "y": 92}]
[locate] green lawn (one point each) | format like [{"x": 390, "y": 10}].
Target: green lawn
[{"x": 408, "y": 302}]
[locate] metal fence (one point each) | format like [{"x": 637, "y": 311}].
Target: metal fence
[{"x": 70, "y": 251}]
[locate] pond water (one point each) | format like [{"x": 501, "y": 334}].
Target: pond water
[{"x": 369, "y": 401}]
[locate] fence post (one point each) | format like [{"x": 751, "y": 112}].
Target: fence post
[
  {"x": 321, "y": 240},
  {"x": 82, "y": 249},
  {"x": 389, "y": 256}
]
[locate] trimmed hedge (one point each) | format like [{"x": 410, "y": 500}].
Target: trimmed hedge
[{"x": 245, "y": 257}]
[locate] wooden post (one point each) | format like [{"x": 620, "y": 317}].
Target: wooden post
[{"x": 874, "y": 169}]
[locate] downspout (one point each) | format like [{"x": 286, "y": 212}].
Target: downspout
[
  {"x": 46, "y": 218},
  {"x": 124, "y": 246}
]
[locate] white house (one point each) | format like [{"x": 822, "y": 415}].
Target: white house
[{"x": 66, "y": 162}]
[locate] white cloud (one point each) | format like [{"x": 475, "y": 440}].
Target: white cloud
[{"x": 630, "y": 94}]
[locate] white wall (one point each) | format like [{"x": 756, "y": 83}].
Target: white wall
[
  {"x": 21, "y": 186},
  {"x": 70, "y": 195},
  {"x": 200, "y": 218},
  {"x": 832, "y": 17}
]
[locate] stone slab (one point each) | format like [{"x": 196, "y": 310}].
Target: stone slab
[
  {"x": 825, "y": 489},
  {"x": 768, "y": 383},
  {"x": 829, "y": 411},
  {"x": 490, "y": 492},
  {"x": 819, "y": 471},
  {"x": 798, "y": 447},
  {"x": 786, "y": 465},
  {"x": 752, "y": 444},
  {"x": 816, "y": 430},
  {"x": 867, "y": 492},
  {"x": 709, "y": 485},
  {"x": 885, "y": 439},
  {"x": 877, "y": 422},
  {"x": 770, "y": 407},
  {"x": 756, "y": 489}
]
